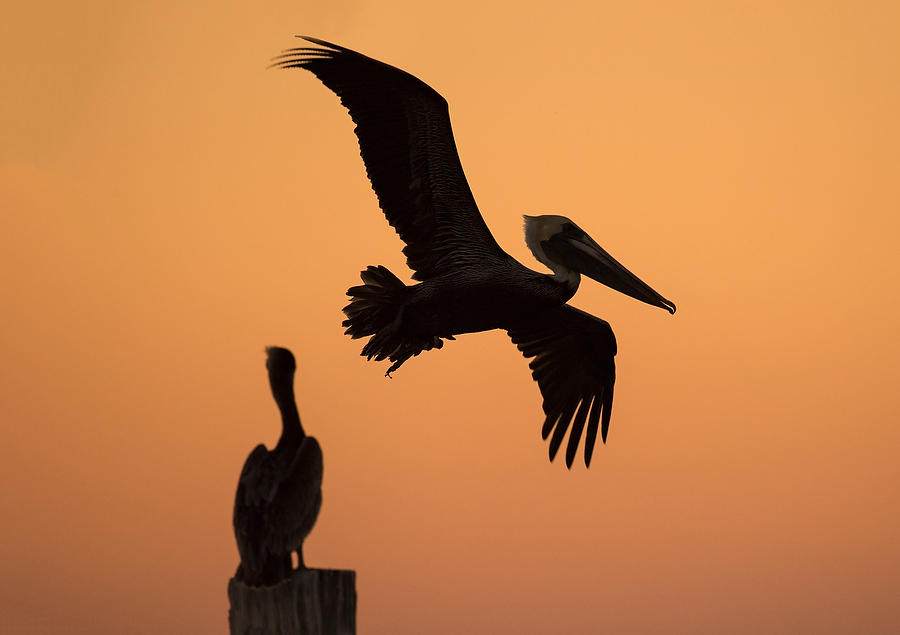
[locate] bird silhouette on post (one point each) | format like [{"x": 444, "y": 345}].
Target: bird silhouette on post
[{"x": 279, "y": 492}]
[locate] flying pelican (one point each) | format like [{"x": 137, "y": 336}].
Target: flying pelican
[
  {"x": 279, "y": 492},
  {"x": 467, "y": 283}
]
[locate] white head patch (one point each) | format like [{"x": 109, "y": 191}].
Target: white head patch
[{"x": 541, "y": 228}]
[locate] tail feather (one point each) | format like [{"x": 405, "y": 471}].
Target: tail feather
[
  {"x": 376, "y": 304},
  {"x": 376, "y": 309}
]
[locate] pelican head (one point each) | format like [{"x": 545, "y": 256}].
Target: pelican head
[
  {"x": 568, "y": 251},
  {"x": 280, "y": 361}
]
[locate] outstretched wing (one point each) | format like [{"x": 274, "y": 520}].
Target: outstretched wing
[
  {"x": 573, "y": 365},
  {"x": 406, "y": 143}
]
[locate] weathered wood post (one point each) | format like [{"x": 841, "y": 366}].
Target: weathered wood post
[
  {"x": 279, "y": 495},
  {"x": 309, "y": 602}
]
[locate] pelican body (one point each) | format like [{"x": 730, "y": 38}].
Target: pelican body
[
  {"x": 279, "y": 492},
  {"x": 467, "y": 283}
]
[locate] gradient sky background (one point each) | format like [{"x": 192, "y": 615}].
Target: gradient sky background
[{"x": 168, "y": 207}]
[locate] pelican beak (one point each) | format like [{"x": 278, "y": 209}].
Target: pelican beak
[{"x": 579, "y": 251}]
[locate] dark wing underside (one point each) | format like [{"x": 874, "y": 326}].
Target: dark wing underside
[
  {"x": 406, "y": 143},
  {"x": 574, "y": 368}
]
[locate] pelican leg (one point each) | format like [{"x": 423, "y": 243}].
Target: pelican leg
[
  {"x": 300, "y": 563},
  {"x": 398, "y": 362}
]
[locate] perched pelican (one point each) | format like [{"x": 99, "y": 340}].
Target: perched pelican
[
  {"x": 279, "y": 493},
  {"x": 467, "y": 282}
]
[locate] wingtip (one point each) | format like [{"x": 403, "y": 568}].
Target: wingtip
[
  {"x": 588, "y": 453},
  {"x": 549, "y": 424},
  {"x": 324, "y": 43},
  {"x": 303, "y": 56}
]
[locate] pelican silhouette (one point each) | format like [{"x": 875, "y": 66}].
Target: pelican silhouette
[
  {"x": 279, "y": 492},
  {"x": 467, "y": 283}
]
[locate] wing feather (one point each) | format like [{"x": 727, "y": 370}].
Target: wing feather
[
  {"x": 406, "y": 143},
  {"x": 578, "y": 427},
  {"x": 294, "y": 508},
  {"x": 575, "y": 370}
]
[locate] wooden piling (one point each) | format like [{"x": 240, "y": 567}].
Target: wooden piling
[{"x": 309, "y": 602}]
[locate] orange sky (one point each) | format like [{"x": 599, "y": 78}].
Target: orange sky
[{"x": 168, "y": 207}]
